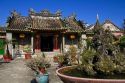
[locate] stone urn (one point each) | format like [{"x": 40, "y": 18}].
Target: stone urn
[{"x": 70, "y": 79}]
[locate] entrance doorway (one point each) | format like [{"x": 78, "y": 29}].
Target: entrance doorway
[{"x": 46, "y": 43}]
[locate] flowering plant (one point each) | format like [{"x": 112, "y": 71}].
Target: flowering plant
[{"x": 37, "y": 62}]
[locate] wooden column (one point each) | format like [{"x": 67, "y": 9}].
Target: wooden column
[
  {"x": 32, "y": 43},
  {"x": 55, "y": 42},
  {"x": 37, "y": 43},
  {"x": 61, "y": 47},
  {"x": 63, "y": 42}
]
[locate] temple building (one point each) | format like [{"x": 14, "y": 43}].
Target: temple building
[
  {"x": 46, "y": 32},
  {"x": 107, "y": 25},
  {"x": 42, "y": 32}
]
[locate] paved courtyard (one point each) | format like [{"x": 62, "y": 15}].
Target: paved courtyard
[{"x": 17, "y": 72}]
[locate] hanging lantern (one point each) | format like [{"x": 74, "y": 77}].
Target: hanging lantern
[
  {"x": 72, "y": 36},
  {"x": 22, "y": 35}
]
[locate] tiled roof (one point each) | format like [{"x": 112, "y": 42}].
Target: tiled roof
[
  {"x": 44, "y": 21},
  {"x": 44, "y": 13},
  {"x": 28, "y": 23},
  {"x": 2, "y": 30},
  {"x": 72, "y": 25},
  {"x": 109, "y": 22},
  {"x": 47, "y": 24},
  {"x": 91, "y": 27},
  {"x": 20, "y": 23}
]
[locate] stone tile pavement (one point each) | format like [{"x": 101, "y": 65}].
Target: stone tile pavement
[
  {"x": 53, "y": 78},
  {"x": 17, "y": 72}
]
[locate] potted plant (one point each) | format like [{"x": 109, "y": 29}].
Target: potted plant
[
  {"x": 55, "y": 58},
  {"x": 38, "y": 64},
  {"x": 27, "y": 50},
  {"x": 60, "y": 60},
  {"x": 7, "y": 56},
  {"x": 68, "y": 58},
  {"x": 102, "y": 62}
]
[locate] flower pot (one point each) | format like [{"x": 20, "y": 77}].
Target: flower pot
[
  {"x": 42, "y": 78},
  {"x": 28, "y": 56},
  {"x": 42, "y": 70},
  {"x": 6, "y": 58},
  {"x": 73, "y": 79},
  {"x": 55, "y": 59}
]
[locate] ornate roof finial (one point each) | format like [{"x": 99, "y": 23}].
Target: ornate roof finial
[
  {"x": 58, "y": 12},
  {"x": 73, "y": 15},
  {"x": 97, "y": 17},
  {"x": 45, "y": 12},
  {"x": 31, "y": 11},
  {"x": 15, "y": 14}
]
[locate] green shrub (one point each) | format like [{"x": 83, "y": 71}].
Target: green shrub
[
  {"x": 105, "y": 66},
  {"x": 122, "y": 41},
  {"x": 102, "y": 56},
  {"x": 87, "y": 61},
  {"x": 72, "y": 52}
]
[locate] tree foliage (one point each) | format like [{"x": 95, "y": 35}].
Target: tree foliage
[{"x": 103, "y": 57}]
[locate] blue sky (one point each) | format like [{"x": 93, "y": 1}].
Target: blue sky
[{"x": 84, "y": 9}]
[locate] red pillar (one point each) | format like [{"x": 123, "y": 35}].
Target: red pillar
[
  {"x": 37, "y": 43},
  {"x": 55, "y": 42}
]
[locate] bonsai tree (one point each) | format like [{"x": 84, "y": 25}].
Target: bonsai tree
[
  {"x": 68, "y": 58},
  {"x": 27, "y": 48},
  {"x": 72, "y": 55},
  {"x": 38, "y": 63},
  {"x": 102, "y": 56}
]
